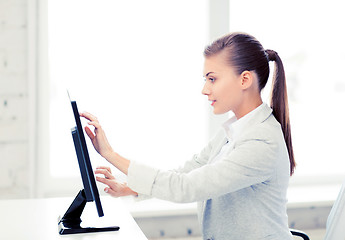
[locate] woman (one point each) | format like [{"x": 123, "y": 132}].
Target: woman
[{"x": 241, "y": 177}]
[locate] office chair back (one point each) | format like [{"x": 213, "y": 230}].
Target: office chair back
[{"x": 336, "y": 219}]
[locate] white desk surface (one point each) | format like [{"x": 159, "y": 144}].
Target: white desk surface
[{"x": 38, "y": 219}]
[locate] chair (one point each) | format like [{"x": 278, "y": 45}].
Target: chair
[
  {"x": 336, "y": 219},
  {"x": 299, "y": 233},
  {"x": 335, "y": 222}
]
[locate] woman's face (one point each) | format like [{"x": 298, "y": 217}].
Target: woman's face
[{"x": 222, "y": 85}]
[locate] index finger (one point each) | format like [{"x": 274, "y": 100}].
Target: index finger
[
  {"x": 105, "y": 172},
  {"x": 88, "y": 116},
  {"x": 104, "y": 167}
]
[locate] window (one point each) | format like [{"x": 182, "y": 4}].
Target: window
[
  {"x": 137, "y": 66},
  {"x": 309, "y": 38}
]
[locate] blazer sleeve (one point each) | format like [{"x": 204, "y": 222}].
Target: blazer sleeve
[
  {"x": 199, "y": 160},
  {"x": 252, "y": 161}
]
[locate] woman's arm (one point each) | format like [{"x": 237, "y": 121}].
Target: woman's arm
[
  {"x": 252, "y": 162},
  {"x": 102, "y": 146},
  {"x": 119, "y": 162}
]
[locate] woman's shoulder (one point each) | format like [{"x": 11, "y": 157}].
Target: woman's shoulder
[{"x": 267, "y": 130}]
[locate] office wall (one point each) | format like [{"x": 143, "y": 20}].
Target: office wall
[{"x": 14, "y": 100}]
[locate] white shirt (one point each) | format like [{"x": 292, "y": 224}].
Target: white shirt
[{"x": 231, "y": 128}]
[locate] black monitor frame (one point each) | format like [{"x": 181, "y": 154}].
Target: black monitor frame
[
  {"x": 85, "y": 167},
  {"x": 70, "y": 222}
]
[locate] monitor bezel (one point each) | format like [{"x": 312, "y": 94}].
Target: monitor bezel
[{"x": 86, "y": 171}]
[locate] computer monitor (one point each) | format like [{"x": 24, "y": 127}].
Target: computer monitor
[{"x": 70, "y": 222}]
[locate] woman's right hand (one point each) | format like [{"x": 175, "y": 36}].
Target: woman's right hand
[{"x": 115, "y": 188}]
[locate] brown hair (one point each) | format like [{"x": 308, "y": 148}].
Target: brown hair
[{"x": 245, "y": 53}]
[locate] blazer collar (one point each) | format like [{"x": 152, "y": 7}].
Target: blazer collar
[{"x": 234, "y": 128}]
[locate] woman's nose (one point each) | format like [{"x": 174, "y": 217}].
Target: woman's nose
[{"x": 206, "y": 89}]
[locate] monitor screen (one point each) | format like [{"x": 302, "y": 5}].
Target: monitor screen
[{"x": 85, "y": 167}]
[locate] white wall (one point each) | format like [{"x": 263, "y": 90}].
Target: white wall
[
  {"x": 14, "y": 100},
  {"x": 18, "y": 168}
]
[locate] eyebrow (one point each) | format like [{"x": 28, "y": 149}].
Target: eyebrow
[{"x": 208, "y": 74}]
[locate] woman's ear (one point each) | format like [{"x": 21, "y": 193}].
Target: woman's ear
[{"x": 247, "y": 79}]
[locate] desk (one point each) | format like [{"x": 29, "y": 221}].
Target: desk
[{"x": 37, "y": 219}]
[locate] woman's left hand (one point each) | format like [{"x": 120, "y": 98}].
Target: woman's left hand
[
  {"x": 98, "y": 138},
  {"x": 115, "y": 188}
]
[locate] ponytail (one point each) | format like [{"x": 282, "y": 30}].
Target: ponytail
[{"x": 279, "y": 103}]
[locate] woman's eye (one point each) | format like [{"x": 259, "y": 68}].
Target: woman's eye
[{"x": 210, "y": 79}]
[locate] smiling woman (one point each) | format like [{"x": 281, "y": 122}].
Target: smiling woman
[
  {"x": 242, "y": 67},
  {"x": 242, "y": 175}
]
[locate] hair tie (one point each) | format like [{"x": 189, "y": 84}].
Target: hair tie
[{"x": 271, "y": 55}]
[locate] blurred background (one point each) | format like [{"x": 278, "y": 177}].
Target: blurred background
[{"x": 137, "y": 65}]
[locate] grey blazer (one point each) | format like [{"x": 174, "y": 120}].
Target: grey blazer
[{"x": 240, "y": 196}]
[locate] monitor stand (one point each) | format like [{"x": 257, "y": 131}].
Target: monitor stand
[{"x": 70, "y": 222}]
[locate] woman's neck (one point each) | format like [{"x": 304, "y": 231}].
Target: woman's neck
[{"x": 247, "y": 107}]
